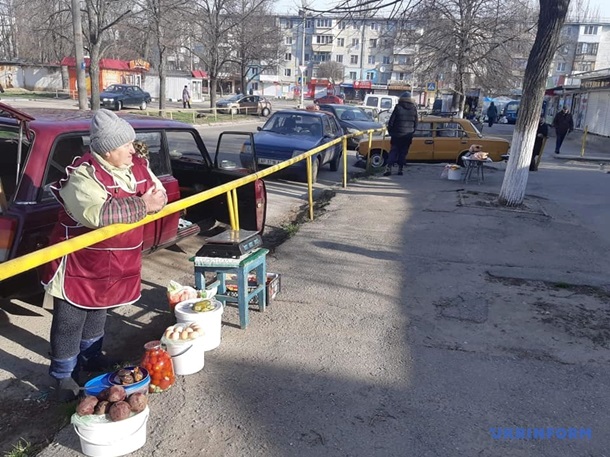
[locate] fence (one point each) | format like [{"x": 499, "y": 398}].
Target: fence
[{"x": 34, "y": 259}]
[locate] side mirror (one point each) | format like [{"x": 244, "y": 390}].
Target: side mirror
[{"x": 259, "y": 128}]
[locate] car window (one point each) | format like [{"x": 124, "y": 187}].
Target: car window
[
  {"x": 136, "y": 90},
  {"x": 329, "y": 127},
  {"x": 9, "y": 144},
  {"x": 424, "y": 129},
  {"x": 65, "y": 150},
  {"x": 182, "y": 143},
  {"x": 372, "y": 101},
  {"x": 386, "y": 103},
  {"x": 159, "y": 163},
  {"x": 448, "y": 130}
]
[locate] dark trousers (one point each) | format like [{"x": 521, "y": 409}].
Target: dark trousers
[
  {"x": 76, "y": 336},
  {"x": 186, "y": 103},
  {"x": 559, "y": 140},
  {"x": 399, "y": 148},
  {"x": 535, "y": 153},
  {"x": 491, "y": 120}
]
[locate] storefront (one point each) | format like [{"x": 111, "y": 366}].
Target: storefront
[{"x": 112, "y": 71}]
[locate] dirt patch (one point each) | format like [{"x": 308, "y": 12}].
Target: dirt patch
[{"x": 476, "y": 199}]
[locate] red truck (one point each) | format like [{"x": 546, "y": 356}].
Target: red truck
[{"x": 37, "y": 145}]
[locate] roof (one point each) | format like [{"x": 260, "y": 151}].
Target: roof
[
  {"x": 199, "y": 74},
  {"x": 105, "y": 64}
]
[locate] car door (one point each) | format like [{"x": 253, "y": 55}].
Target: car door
[
  {"x": 422, "y": 146},
  {"x": 449, "y": 140},
  {"x": 332, "y": 130},
  {"x": 248, "y": 105}
]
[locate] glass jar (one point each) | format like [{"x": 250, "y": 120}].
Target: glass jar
[{"x": 159, "y": 365}]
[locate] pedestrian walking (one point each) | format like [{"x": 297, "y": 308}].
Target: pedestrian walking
[
  {"x": 541, "y": 135},
  {"x": 492, "y": 114},
  {"x": 186, "y": 97},
  {"x": 110, "y": 184},
  {"x": 563, "y": 124},
  {"x": 401, "y": 127}
]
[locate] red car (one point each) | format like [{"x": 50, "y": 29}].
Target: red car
[
  {"x": 35, "y": 148},
  {"x": 329, "y": 99}
]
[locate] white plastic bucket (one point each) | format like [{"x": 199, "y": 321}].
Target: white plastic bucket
[
  {"x": 454, "y": 175},
  {"x": 113, "y": 439},
  {"x": 210, "y": 321},
  {"x": 187, "y": 356}
]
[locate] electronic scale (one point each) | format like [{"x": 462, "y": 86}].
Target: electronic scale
[{"x": 231, "y": 244}]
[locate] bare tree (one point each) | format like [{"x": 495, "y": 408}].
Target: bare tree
[
  {"x": 550, "y": 21},
  {"x": 470, "y": 42},
  {"x": 331, "y": 70},
  {"x": 255, "y": 38},
  {"x": 100, "y": 16}
]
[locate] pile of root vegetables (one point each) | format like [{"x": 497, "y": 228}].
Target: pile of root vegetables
[{"x": 114, "y": 403}]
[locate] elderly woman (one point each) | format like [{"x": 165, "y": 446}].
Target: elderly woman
[{"x": 109, "y": 185}]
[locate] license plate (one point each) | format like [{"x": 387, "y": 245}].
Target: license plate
[{"x": 268, "y": 161}]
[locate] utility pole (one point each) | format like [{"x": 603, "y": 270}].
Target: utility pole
[
  {"x": 81, "y": 82},
  {"x": 303, "y": 66}
]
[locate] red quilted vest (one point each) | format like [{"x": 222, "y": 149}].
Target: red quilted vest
[{"x": 106, "y": 274}]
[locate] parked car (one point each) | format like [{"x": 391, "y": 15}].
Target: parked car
[
  {"x": 510, "y": 111},
  {"x": 118, "y": 96},
  {"x": 352, "y": 119},
  {"x": 245, "y": 104},
  {"x": 437, "y": 139},
  {"x": 328, "y": 99},
  {"x": 287, "y": 134},
  {"x": 51, "y": 141},
  {"x": 380, "y": 102}
]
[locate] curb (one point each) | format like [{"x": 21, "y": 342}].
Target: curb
[{"x": 583, "y": 159}]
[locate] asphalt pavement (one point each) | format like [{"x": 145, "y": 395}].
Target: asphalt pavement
[{"x": 416, "y": 318}]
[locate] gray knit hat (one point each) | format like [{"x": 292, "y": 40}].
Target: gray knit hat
[{"x": 108, "y": 132}]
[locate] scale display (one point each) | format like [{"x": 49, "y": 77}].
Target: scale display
[{"x": 230, "y": 244}]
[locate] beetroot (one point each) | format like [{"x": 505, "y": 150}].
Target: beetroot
[
  {"x": 86, "y": 406},
  {"x": 119, "y": 411},
  {"x": 116, "y": 393},
  {"x": 137, "y": 402}
]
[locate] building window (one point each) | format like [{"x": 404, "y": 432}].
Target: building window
[
  {"x": 355, "y": 42},
  {"x": 288, "y": 56},
  {"x": 401, "y": 76},
  {"x": 373, "y": 43},
  {"x": 342, "y": 25},
  {"x": 339, "y": 58},
  {"x": 386, "y": 60},
  {"x": 288, "y": 40},
  {"x": 374, "y": 26},
  {"x": 353, "y": 60},
  {"x": 287, "y": 72},
  {"x": 371, "y": 60},
  {"x": 341, "y": 42},
  {"x": 587, "y": 48},
  {"x": 590, "y": 30},
  {"x": 561, "y": 66},
  {"x": 403, "y": 60},
  {"x": 324, "y": 39},
  {"x": 322, "y": 57},
  {"x": 306, "y": 58},
  {"x": 287, "y": 24},
  {"x": 352, "y": 75},
  {"x": 585, "y": 66},
  {"x": 369, "y": 75},
  {"x": 324, "y": 22},
  {"x": 309, "y": 23},
  {"x": 307, "y": 41}
]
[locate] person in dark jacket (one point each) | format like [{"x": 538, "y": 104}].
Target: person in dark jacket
[
  {"x": 492, "y": 114},
  {"x": 563, "y": 124},
  {"x": 541, "y": 134},
  {"x": 401, "y": 127}
]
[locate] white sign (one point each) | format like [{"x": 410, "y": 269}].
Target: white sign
[{"x": 302, "y": 68}]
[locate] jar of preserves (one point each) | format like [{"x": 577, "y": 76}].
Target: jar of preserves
[{"x": 159, "y": 365}]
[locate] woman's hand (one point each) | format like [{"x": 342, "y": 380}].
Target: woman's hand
[{"x": 154, "y": 199}]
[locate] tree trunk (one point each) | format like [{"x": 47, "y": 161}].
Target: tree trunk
[
  {"x": 550, "y": 20},
  {"x": 81, "y": 80},
  {"x": 94, "y": 74},
  {"x": 213, "y": 83}
]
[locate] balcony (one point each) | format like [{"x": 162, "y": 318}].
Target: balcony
[
  {"x": 322, "y": 47},
  {"x": 402, "y": 68}
]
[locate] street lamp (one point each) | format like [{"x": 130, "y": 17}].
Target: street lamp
[{"x": 303, "y": 66}]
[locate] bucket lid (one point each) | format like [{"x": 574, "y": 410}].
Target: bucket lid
[{"x": 186, "y": 307}]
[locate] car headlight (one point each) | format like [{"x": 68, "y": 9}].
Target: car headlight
[
  {"x": 108, "y": 99},
  {"x": 246, "y": 148},
  {"x": 297, "y": 152}
]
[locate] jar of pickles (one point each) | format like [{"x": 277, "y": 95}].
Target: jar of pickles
[{"x": 159, "y": 365}]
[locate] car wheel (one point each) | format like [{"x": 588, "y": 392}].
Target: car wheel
[
  {"x": 334, "y": 164},
  {"x": 143, "y": 105},
  {"x": 315, "y": 166},
  {"x": 378, "y": 158},
  {"x": 118, "y": 105},
  {"x": 265, "y": 112}
]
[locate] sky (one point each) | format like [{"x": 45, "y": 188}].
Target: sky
[{"x": 286, "y": 6}]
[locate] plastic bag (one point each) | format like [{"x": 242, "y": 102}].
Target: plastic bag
[
  {"x": 176, "y": 293},
  {"x": 445, "y": 171}
]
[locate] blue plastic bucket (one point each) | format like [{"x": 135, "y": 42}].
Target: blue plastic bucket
[{"x": 96, "y": 385}]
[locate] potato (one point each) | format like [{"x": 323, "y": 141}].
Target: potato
[
  {"x": 86, "y": 406},
  {"x": 119, "y": 411},
  {"x": 102, "y": 408},
  {"x": 137, "y": 402},
  {"x": 116, "y": 393},
  {"x": 103, "y": 395}
]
